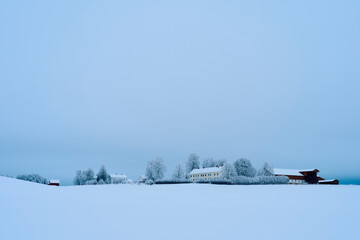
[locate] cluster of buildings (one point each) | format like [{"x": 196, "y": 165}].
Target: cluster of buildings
[{"x": 308, "y": 176}]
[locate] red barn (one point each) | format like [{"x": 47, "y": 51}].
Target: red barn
[{"x": 54, "y": 182}]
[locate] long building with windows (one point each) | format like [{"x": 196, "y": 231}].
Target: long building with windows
[{"x": 205, "y": 173}]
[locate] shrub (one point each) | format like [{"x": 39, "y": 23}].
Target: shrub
[
  {"x": 242, "y": 180},
  {"x": 221, "y": 182},
  {"x": 172, "y": 181},
  {"x": 91, "y": 182},
  {"x": 149, "y": 182},
  {"x": 203, "y": 181}
]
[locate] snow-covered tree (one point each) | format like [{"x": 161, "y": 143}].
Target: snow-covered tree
[
  {"x": 89, "y": 174},
  {"x": 220, "y": 162},
  {"x": 82, "y": 177},
  {"x": 243, "y": 167},
  {"x": 33, "y": 178},
  {"x": 178, "y": 172},
  {"x": 242, "y": 180},
  {"x": 192, "y": 163},
  {"x": 103, "y": 175},
  {"x": 77, "y": 178},
  {"x": 91, "y": 182},
  {"x": 101, "y": 182},
  {"x": 266, "y": 170},
  {"x": 155, "y": 169},
  {"x": 208, "y": 162},
  {"x": 228, "y": 171},
  {"x": 149, "y": 182}
]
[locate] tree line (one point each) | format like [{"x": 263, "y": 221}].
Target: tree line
[
  {"x": 238, "y": 172},
  {"x": 87, "y": 177},
  {"x": 33, "y": 178}
]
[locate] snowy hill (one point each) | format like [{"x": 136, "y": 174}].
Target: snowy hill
[{"x": 189, "y": 211}]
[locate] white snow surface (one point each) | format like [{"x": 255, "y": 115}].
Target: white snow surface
[
  {"x": 206, "y": 170},
  {"x": 181, "y": 211}
]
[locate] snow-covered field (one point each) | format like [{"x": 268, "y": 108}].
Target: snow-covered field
[{"x": 188, "y": 211}]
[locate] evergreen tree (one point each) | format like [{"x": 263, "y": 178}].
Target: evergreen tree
[
  {"x": 89, "y": 174},
  {"x": 103, "y": 175}
]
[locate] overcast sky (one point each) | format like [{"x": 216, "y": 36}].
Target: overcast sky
[{"x": 85, "y": 83}]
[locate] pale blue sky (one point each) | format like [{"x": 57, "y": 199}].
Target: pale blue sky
[{"x": 85, "y": 83}]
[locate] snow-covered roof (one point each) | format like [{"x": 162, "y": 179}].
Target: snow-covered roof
[
  {"x": 54, "y": 181},
  {"x": 328, "y": 180},
  {"x": 206, "y": 170},
  {"x": 118, "y": 175},
  {"x": 291, "y": 172},
  {"x": 309, "y": 170}
]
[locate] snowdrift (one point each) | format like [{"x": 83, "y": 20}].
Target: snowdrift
[{"x": 180, "y": 211}]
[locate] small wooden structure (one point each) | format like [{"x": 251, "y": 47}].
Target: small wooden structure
[
  {"x": 54, "y": 182},
  {"x": 330, "y": 182}
]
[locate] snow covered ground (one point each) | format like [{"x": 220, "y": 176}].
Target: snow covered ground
[{"x": 187, "y": 211}]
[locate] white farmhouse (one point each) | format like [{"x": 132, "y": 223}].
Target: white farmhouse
[
  {"x": 118, "y": 178},
  {"x": 205, "y": 173}
]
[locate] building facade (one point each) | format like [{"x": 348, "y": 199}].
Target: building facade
[
  {"x": 54, "y": 182},
  {"x": 205, "y": 174},
  {"x": 308, "y": 176},
  {"x": 118, "y": 178}
]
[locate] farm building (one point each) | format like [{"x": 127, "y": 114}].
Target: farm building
[
  {"x": 54, "y": 182},
  {"x": 118, "y": 178},
  {"x": 308, "y": 176},
  {"x": 330, "y": 182},
  {"x": 205, "y": 173}
]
